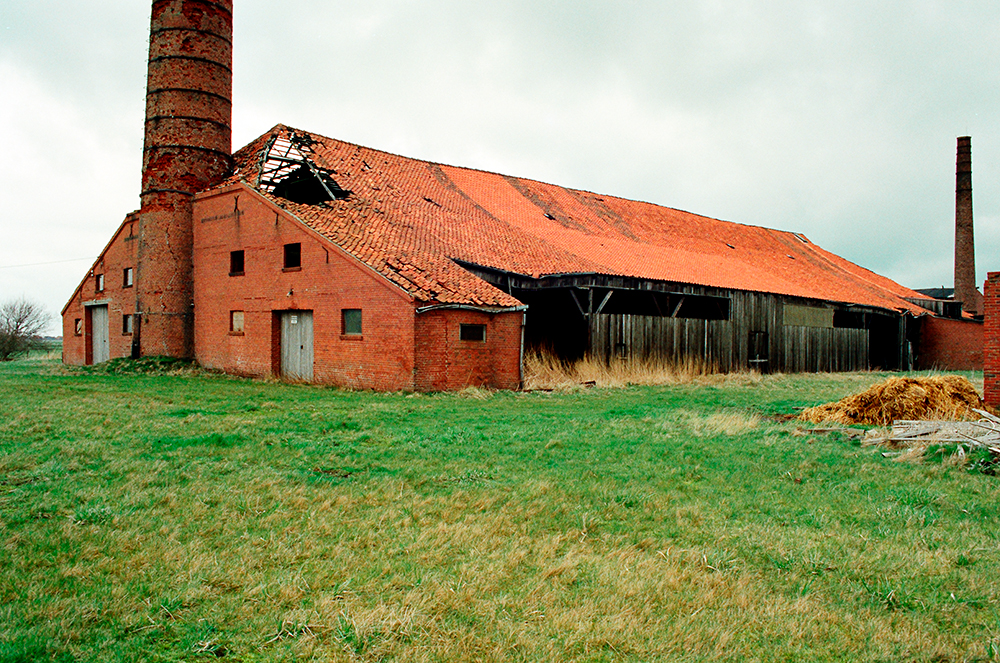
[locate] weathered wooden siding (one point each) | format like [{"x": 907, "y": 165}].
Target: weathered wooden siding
[
  {"x": 725, "y": 344},
  {"x": 674, "y": 340},
  {"x": 816, "y": 350},
  {"x": 818, "y": 336}
]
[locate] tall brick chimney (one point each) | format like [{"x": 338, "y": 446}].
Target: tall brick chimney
[
  {"x": 188, "y": 147},
  {"x": 965, "y": 249}
]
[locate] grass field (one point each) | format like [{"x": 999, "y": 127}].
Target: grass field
[{"x": 187, "y": 516}]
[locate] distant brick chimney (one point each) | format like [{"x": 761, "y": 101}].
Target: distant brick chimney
[
  {"x": 965, "y": 249},
  {"x": 188, "y": 147}
]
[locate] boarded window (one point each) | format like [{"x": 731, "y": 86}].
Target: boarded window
[
  {"x": 78, "y": 327},
  {"x": 99, "y": 282},
  {"x": 127, "y": 277},
  {"x": 236, "y": 263},
  {"x": 127, "y": 324},
  {"x": 236, "y": 322},
  {"x": 351, "y": 321},
  {"x": 293, "y": 256},
  {"x": 472, "y": 333},
  {"x": 808, "y": 316}
]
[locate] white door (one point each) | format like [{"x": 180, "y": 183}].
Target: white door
[
  {"x": 297, "y": 345},
  {"x": 99, "y": 334}
]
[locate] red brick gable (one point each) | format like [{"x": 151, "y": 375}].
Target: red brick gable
[{"x": 410, "y": 219}]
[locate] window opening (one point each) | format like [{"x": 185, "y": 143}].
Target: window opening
[
  {"x": 236, "y": 263},
  {"x": 99, "y": 281},
  {"x": 78, "y": 327},
  {"x": 127, "y": 276},
  {"x": 127, "y": 321},
  {"x": 293, "y": 256},
  {"x": 475, "y": 333},
  {"x": 236, "y": 322},
  {"x": 351, "y": 321}
]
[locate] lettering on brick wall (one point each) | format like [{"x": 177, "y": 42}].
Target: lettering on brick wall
[{"x": 235, "y": 214}]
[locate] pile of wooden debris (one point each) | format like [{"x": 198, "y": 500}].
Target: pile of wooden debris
[
  {"x": 945, "y": 397},
  {"x": 940, "y": 414}
]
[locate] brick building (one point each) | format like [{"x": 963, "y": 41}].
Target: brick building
[{"x": 320, "y": 260}]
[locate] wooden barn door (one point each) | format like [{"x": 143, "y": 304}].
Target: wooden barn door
[
  {"x": 99, "y": 351},
  {"x": 297, "y": 345}
]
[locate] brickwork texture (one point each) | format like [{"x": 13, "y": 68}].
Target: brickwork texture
[
  {"x": 950, "y": 345},
  {"x": 991, "y": 344}
]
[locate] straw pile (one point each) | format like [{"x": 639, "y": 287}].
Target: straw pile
[{"x": 942, "y": 398}]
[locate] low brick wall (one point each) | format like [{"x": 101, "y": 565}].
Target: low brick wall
[{"x": 950, "y": 345}]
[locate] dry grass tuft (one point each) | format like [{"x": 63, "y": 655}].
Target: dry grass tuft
[
  {"x": 544, "y": 371},
  {"x": 724, "y": 423},
  {"x": 945, "y": 397}
]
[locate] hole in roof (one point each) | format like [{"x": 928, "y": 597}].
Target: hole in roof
[
  {"x": 730, "y": 245},
  {"x": 288, "y": 173},
  {"x": 800, "y": 237},
  {"x": 549, "y": 216},
  {"x": 789, "y": 255},
  {"x": 432, "y": 202}
]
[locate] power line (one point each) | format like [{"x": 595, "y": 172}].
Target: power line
[{"x": 39, "y": 264}]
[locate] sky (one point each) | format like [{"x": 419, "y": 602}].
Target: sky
[{"x": 833, "y": 118}]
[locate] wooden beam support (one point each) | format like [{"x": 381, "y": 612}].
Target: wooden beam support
[
  {"x": 572, "y": 293},
  {"x": 603, "y": 302},
  {"x": 677, "y": 309}
]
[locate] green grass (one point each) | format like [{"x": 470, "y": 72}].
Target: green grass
[{"x": 170, "y": 515}]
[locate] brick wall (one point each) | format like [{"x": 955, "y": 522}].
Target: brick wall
[
  {"x": 116, "y": 257},
  {"x": 328, "y": 281},
  {"x": 446, "y": 362},
  {"x": 950, "y": 345},
  {"x": 991, "y": 346},
  {"x": 398, "y": 349}
]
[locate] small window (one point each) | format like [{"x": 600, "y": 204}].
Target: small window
[
  {"x": 127, "y": 324},
  {"x": 236, "y": 263},
  {"x": 293, "y": 256},
  {"x": 127, "y": 277},
  {"x": 236, "y": 322},
  {"x": 472, "y": 333},
  {"x": 78, "y": 327},
  {"x": 351, "y": 321},
  {"x": 99, "y": 281}
]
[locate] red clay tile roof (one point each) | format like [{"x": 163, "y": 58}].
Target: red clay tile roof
[{"x": 408, "y": 220}]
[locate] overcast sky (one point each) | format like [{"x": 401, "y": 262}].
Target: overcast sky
[{"x": 834, "y": 118}]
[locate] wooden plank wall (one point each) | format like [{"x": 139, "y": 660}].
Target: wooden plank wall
[
  {"x": 724, "y": 344},
  {"x": 816, "y": 350}
]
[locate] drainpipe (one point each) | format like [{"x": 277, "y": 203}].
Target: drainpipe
[{"x": 520, "y": 363}]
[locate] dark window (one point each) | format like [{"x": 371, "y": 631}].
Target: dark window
[
  {"x": 236, "y": 263},
  {"x": 78, "y": 327},
  {"x": 99, "y": 282},
  {"x": 848, "y": 320},
  {"x": 127, "y": 276},
  {"x": 236, "y": 322},
  {"x": 472, "y": 333},
  {"x": 293, "y": 256},
  {"x": 351, "y": 321},
  {"x": 126, "y": 324},
  {"x": 758, "y": 350}
]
